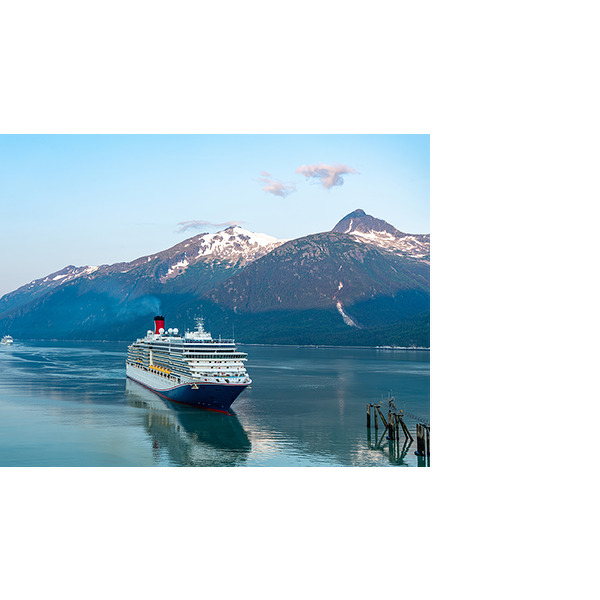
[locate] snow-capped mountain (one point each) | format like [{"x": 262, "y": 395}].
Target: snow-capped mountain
[
  {"x": 368, "y": 229},
  {"x": 235, "y": 245},
  {"x": 364, "y": 283}
]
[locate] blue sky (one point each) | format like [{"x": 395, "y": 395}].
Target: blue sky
[{"x": 96, "y": 199}]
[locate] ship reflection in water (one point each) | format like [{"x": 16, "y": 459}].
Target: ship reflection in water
[{"x": 187, "y": 436}]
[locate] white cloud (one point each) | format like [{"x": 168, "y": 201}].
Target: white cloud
[
  {"x": 328, "y": 175},
  {"x": 185, "y": 225},
  {"x": 275, "y": 186}
]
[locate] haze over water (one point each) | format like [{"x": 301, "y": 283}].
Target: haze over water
[{"x": 69, "y": 404}]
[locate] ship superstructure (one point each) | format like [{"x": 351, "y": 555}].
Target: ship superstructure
[{"x": 192, "y": 369}]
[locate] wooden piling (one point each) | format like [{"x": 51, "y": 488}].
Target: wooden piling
[
  {"x": 420, "y": 440},
  {"x": 405, "y": 429},
  {"x": 381, "y": 415},
  {"x": 375, "y": 415},
  {"x": 369, "y": 416}
]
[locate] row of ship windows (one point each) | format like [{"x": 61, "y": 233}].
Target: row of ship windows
[
  {"x": 215, "y": 355},
  {"x": 179, "y": 342},
  {"x": 216, "y": 368},
  {"x": 157, "y": 356},
  {"x": 218, "y": 362},
  {"x": 195, "y": 364},
  {"x": 192, "y": 355},
  {"x": 198, "y": 368},
  {"x": 195, "y": 348}
]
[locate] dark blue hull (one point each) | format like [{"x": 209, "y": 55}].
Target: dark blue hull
[{"x": 207, "y": 396}]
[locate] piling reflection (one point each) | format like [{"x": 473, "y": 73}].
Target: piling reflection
[
  {"x": 423, "y": 461},
  {"x": 190, "y": 436},
  {"x": 396, "y": 449}
]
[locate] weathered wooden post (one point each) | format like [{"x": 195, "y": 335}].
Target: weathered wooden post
[
  {"x": 391, "y": 435},
  {"x": 369, "y": 416},
  {"x": 405, "y": 429},
  {"x": 375, "y": 415},
  {"x": 420, "y": 440},
  {"x": 382, "y": 417}
]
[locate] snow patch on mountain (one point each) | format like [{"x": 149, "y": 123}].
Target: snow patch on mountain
[
  {"x": 236, "y": 243},
  {"x": 413, "y": 246},
  {"x": 347, "y": 319},
  {"x": 69, "y": 273},
  {"x": 174, "y": 270}
]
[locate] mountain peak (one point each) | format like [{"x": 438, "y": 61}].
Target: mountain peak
[
  {"x": 359, "y": 221},
  {"x": 232, "y": 229},
  {"x": 370, "y": 230},
  {"x": 359, "y": 212}
]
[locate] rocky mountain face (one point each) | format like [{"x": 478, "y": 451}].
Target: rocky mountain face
[
  {"x": 368, "y": 229},
  {"x": 320, "y": 270},
  {"x": 364, "y": 282}
]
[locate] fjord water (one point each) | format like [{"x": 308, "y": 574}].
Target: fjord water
[{"x": 69, "y": 404}]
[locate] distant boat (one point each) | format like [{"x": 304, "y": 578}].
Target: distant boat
[{"x": 6, "y": 340}]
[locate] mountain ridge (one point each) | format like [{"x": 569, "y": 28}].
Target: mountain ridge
[{"x": 357, "y": 285}]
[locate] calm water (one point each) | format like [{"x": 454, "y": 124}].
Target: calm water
[{"x": 69, "y": 404}]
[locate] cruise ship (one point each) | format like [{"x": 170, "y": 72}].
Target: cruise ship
[
  {"x": 192, "y": 369},
  {"x": 6, "y": 340}
]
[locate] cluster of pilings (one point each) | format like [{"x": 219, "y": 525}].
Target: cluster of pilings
[{"x": 393, "y": 425}]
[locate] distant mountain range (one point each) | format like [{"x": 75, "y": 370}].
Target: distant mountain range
[{"x": 362, "y": 283}]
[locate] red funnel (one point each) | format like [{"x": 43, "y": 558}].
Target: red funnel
[{"x": 159, "y": 323}]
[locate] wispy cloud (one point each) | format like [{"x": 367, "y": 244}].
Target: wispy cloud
[
  {"x": 328, "y": 175},
  {"x": 275, "y": 186},
  {"x": 185, "y": 225}
]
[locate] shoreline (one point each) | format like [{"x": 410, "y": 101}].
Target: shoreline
[{"x": 415, "y": 348}]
